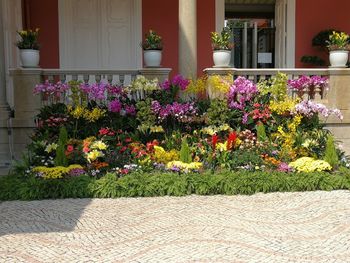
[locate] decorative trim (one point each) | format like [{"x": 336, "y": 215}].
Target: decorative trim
[
  {"x": 138, "y": 32},
  {"x": 290, "y": 45}
]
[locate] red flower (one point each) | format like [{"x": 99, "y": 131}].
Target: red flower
[
  {"x": 128, "y": 140},
  {"x": 123, "y": 149},
  {"x": 231, "y": 140},
  {"x": 124, "y": 171},
  {"x": 70, "y": 148},
  {"x": 214, "y": 141},
  {"x": 150, "y": 145},
  {"x": 103, "y": 131}
]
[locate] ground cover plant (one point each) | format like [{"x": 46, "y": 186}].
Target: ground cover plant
[{"x": 151, "y": 138}]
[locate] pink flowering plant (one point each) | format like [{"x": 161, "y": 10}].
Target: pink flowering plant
[
  {"x": 250, "y": 127},
  {"x": 308, "y": 85}
]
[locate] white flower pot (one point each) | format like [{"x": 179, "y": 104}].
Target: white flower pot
[
  {"x": 152, "y": 58},
  {"x": 338, "y": 58},
  {"x": 29, "y": 58},
  {"x": 221, "y": 58}
]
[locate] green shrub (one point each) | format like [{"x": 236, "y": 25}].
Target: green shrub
[
  {"x": 261, "y": 133},
  {"x": 185, "y": 153},
  {"x": 331, "y": 155},
  {"x": 160, "y": 184},
  {"x": 61, "y": 159}
]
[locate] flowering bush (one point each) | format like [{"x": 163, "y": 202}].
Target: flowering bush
[{"x": 251, "y": 127}]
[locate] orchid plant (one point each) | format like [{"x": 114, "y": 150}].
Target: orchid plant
[
  {"x": 29, "y": 39},
  {"x": 152, "y": 41},
  {"x": 221, "y": 41},
  {"x": 338, "y": 41}
]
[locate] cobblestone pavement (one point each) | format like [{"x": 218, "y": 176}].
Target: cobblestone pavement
[{"x": 278, "y": 227}]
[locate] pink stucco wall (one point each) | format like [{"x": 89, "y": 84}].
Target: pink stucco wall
[{"x": 313, "y": 16}]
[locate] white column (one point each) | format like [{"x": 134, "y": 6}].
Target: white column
[
  {"x": 188, "y": 37},
  {"x": 219, "y": 15}
]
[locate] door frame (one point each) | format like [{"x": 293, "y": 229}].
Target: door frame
[
  {"x": 137, "y": 24},
  {"x": 284, "y": 58}
]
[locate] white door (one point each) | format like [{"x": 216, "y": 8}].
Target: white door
[
  {"x": 285, "y": 33},
  {"x": 100, "y": 34}
]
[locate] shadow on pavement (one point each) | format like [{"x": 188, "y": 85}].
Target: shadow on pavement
[{"x": 41, "y": 216}]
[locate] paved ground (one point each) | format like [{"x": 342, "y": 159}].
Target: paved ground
[{"x": 279, "y": 227}]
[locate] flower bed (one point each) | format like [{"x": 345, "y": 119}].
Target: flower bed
[{"x": 172, "y": 127}]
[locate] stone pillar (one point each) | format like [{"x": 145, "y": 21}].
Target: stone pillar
[
  {"x": 5, "y": 157},
  {"x": 160, "y": 73},
  {"x": 338, "y": 96},
  {"x": 26, "y": 106},
  {"x": 188, "y": 38}
]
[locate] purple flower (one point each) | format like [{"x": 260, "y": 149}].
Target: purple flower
[
  {"x": 95, "y": 91},
  {"x": 178, "y": 81},
  {"x": 284, "y": 167},
  {"x": 130, "y": 110},
  {"x": 76, "y": 172},
  {"x": 115, "y": 106},
  {"x": 182, "y": 112},
  {"x": 165, "y": 85},
  {"x": 309, "y": 108},
  {"x": 306, "y": 82},
  {"x": 242, "y": 91},
  {"x": 50, "y": 88},
  {"x": 114, "y": 90}
]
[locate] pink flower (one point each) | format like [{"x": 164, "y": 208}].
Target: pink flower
[{"x": 115, "y": 106}]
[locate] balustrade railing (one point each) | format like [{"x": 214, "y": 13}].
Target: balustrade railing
[
  {"x": 119, "y": 77},
  {"x": 256, "y": 75}
]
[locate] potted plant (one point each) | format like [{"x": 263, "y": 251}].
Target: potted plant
[
  {"x": 152, "y": 49},
  {"x": 338, "y": 46},
  {"x": 221, "y": 47},
  {"x": 29, "y": 48}
]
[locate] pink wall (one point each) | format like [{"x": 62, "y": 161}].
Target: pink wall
[
  {"x": 205, "y": 25},
  {"x": 163, "y": 17},
  {"x": 313, "y": 16},
  {"x": 43, "y": 14}
]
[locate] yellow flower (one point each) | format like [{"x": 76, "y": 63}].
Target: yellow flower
[
  {"x": 162, "y": 156},
  {"x": 308, "y": 164},
  {"x": 155, "y": 129},
  {"x": 221, "y": 146},
  {"x": 94, "y": 115},
  {"x": 78, "y": 112},
  {"x": 93, "y": 155},
  {"x": 197, "y": 86},
  {"x": 281, "y": 107},
  {"x": 99, "y": 145},
  {"x": 51, "y": 147},
  {"x": 55, "y": 172},
  {"x": 220, "y": 83},
  {"x": 185, "y": 166}
]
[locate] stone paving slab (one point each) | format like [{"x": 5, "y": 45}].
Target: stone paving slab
[{"x": 277, "y": 227}]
